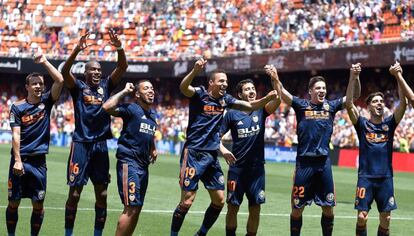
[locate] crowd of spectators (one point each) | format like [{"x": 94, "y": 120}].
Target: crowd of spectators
[
  {"x": 183, "y": 28},
  {"x": 172, "y": 119}
]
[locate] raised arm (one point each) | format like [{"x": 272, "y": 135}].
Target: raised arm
[
  {"x": 185, "y": 85},
  {"x": 67, "y": 75},
  {"x": 349, "y": 103},
  {"x": 274, "y": 104},
  {"x": 396, "y": 71},
  {"x": 54, "y": 73},
  {"x": 408, "y": 92},
  {"x": 122, "y": 64},
  {"x": 110, "y": 106},
  {"x": 255, "y": 105}
]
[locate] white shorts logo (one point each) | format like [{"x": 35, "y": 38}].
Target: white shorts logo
[
  {"x": 330, "y": 197},
  {"x": 131, "y": 197},
  {"x": 391, "y": 201},
  {"x": 41, "y": 195},
  {"x": 221, "y": 179},
  {"x": 262, "y": 195}
]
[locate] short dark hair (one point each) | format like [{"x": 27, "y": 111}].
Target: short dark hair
[
  {"x": 136, "y": 84},
  {"x": 239, "y": 86},
  {"x": 33, "y": 75},
  {"x": 372, "y": 95},
  {"x": 214, "y": 72},
  {"x": 314, "y": 80}
]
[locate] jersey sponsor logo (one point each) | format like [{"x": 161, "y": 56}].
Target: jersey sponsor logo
[
  {"x": 240, "y": 123},
  {"x": 316, "y": 115},
  {"x": 31, "y": 119},
  {"x": 92, "y": 100},
  {"x": 255, "y": 119},
  {"x": 248, "y": 132},
  {"x": 385, "y": 127},
  {"x": 376, "y": 138},
  {"x": 147, "y": 129},
  {"x": 330, "y": 197},
  {"x": 212, "y": 110}
]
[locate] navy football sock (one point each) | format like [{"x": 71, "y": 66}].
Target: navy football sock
[
  {"x": 12, "y": 217},
  {"x": 70, "y": 215},
  {"x": 211, "y": 215},
  {"x": 327, "y": 223},
  {"x": 178, "y": 219},
  {"x": 295, "y": 225},
  {"x": 382, "y": 231},
  {"x": 230, "y": 232},
  {"x": 36, "y": 221}
]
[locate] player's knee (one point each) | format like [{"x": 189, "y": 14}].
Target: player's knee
[
  {"x": 101, "y": 197},
  {"x": 14, "y": 204},
  {"x": 296, "y": 213},
  {"x": 362, "y": 217},
  {"x": 74, "y": 197},
  {"x": 37, "y": 205},
  {"x": 385, "y": 219},
  {"x": 186, "y": 204}
]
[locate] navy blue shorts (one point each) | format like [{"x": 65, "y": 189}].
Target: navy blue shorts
[
  {"x": 33, "y": 183},
  {"x": 246, "y": 180},
  {"x": 132, "y": 182},
  {"x": 200, "y": 165},
  {"x": 313, "y": 181},
  {"x": 379, "y": 189},
  {"x": 88, "y": 160}
]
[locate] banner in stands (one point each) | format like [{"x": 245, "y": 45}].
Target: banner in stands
[
  {"x": 280, "y": 154},
  {"x": 400, "y": 161},
  {"x": 379, "y": 55}
]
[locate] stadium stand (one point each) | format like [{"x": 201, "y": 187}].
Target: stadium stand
[{"x": 153, "y": 30}]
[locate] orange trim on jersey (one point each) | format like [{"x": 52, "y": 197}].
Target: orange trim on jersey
[
  {"x": 125, "y": 183},
  {"x": 184, "y": 165},
  {"x": 71, "y": 158}
]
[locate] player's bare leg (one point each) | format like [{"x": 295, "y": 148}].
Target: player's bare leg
[
  {"x": 128, "y": 220},
  {"x": 213, "y": 211},
  {"x": 71, "y": 208},
  {"x": 36, "y": 219},
  {"x": 327, "y": 220},
  {"x": 384, "y": 226},
  {"x": 296, "y": 220},
  {"x": 12, "y": 216},
  {"x": 100, "y": 208},
  {"x": 187, "y": 199},
  {"x": 361, "y": 227},
  {"x": 231, "y": 219},
  {"x": 253, "y": 220}
]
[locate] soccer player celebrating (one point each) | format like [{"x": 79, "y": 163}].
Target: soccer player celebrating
[
  {"x": 408, "y": 92},
  {"x": 136, "y": 150},
  {"x": 89, "y": 152},
  {"x": 376, "y": 135},
  {"x": 30, "y": 123},
  {"x": 313, "y": 179},
  {"x": 247, "y": 174},
  {"x": 199, "y": 156}
]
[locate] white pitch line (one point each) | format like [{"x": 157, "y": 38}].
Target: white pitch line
[{"x": 202, "y": 212}]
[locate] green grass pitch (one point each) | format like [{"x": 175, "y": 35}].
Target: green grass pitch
[{"x": 163, "y": 195}]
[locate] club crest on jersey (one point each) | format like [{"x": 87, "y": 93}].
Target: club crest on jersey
[
  {"x": 41, "y": 106},
  {"x": 131, "y": 197},
  {"x": 385, "y": 127},
  {"x": 255, "y": 119},
  {"x": 100, "y": 90},
  {"x": 222, "y": 102},
  {"x": 391, "y": 201},
  {"x": 12, "y": 118},
  {"x": 326, "y": 107},
  {"x": 41, "y": 194},
  {"x": 330, "y": 197}
]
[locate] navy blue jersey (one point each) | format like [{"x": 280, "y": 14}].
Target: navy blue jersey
[
  {"x": 34, "y": 122},
  {"x": 375, "y": 147},
  {"x": 314, "y": 125},
  {"x": 92, "y": 123},
  {"x": 204, "y": 121},
  {"x": 247, "y": 132},
  {"x": 137, "y": 133}
]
